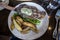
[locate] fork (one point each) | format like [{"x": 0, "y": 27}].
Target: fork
[{"x": 55, "y": 33}]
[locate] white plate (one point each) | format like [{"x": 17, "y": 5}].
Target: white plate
[
  {"x": 6, "y": 1},
  {"x": 31, "y": 35}
]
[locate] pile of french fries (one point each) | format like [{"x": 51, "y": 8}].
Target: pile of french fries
[{"x": 18, "y": 22}]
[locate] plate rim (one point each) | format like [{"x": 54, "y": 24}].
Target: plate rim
[{"x": 15, "y": 35}]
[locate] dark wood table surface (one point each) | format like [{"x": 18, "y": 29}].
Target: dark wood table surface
[{"x": 4, "y": 30}]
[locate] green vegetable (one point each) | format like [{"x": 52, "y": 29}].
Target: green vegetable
[
  {"x": 15, "y": 14},
  {"x": 34, "y": 21}
]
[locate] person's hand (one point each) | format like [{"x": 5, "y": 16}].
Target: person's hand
[{"x": 2, "y": 4}]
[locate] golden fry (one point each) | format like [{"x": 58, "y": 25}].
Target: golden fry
[
  {"x": 19, "y": 19},
  {"x": 12, "y": 26},
  {"x": 18, "y": 22},
  {"x": 26, "y": 29},
  {"x": 35, "y": 30},
  {"x": 25, "y": 32},
  {"x": 17, "y": 26},
  {"x": 29, "y": 24}
]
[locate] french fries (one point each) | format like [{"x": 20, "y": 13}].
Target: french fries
[
  {"x": 25, "y": 32},
  {"x": 29, "y": 25},
  {"x": 18, "y": 22},
  {"x": 12, "y": 26},
  {"x": 19, "y": 19},
  {"x": 35, "y": 30},
  {"x": 26, "y": 29},
  {"x": 17, "y": 26}
]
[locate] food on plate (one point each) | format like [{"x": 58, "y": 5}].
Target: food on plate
[
  {"x": 26, "y": 11},
  {"x": 17, "y": 26},
  {"x": 18, "y": 22},
  {"x": 30, "y": 11},
  {"x": 19, "y": 19},
  {"x": 33, "y": 21},
  {"x": 12, "y": 26},
  {"x": 26, "y": 29},
  {"x": 26, "y": 18},
  {"x": 35, "y": 30},
  {"x": 25, "y": 32},
  {"x": 23, "y": 26},
  {"x": 29, "y": 24}
]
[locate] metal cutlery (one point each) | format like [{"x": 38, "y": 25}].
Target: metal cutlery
[{"x": 55, "y": 33}]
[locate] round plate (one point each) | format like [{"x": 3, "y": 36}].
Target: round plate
[
  {"x": 42, "y": 27},
  {"x": 6, "y": 1}
]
